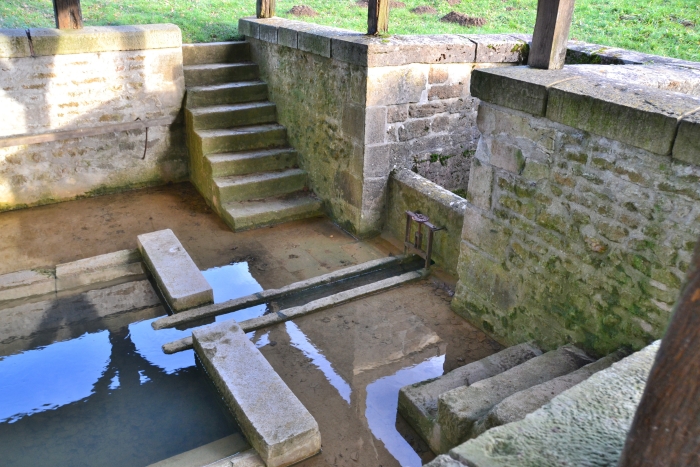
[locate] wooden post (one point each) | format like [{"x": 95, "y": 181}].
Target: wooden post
[
  {"x": 666, "y": 427},
  {"x": 549, "y": 41},
  {"x": 377, "y": 17},
  {"x": 265, "y": 8},
  {"x": 68, "y": 14}
]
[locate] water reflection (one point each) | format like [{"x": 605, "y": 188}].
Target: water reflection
[
  {"x": 299, "y": 340},
  {"x": 382, "y": 404},
  {"x": 234, "y": 281},
  {"x": 49, "y": 377},
  {"x": 149, "y": 344}
]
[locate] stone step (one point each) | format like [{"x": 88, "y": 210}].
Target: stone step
[
  {"x": 418, "y": 403},
  {"x": 459, "y": 409},
  {"x": 215, "y": 52},
  {"x": 229, "y": 116},
  {"x": 242, "y": 138},
  {"x": 218, "y": 73},
  {"x": 517, "y": 406},
  {"x": 247, "y": 215},
  {"x": 179, "y": 279},
  {"x": 584, "y": 426},
  {"x": 228, "y": 93},
  {"x": 274, "y": 421},
  {"x": 243, "y": 163},
  {"x": 259, "y": 185}
]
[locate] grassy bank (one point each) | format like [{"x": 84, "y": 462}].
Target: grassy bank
[{"x": 664, "y": 27}]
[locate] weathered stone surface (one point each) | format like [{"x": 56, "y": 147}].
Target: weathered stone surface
[
  {"x": 687, "y": 145},
  {"x": 24, "y": 320},
  {"x": 124, "y": 264},
  {"x": 395, "y": 85},
  {"x": 219, "y": 452},
  {"x": 584, "y": 426},
  {"x": 666, "y": 77},
  {"x": 23, "y": 284},
  {"x": 213, "y": 53},
  {"x": 459, "y": 409},
  {"x": 274, "y": 421},
  {"x": 480, "y": 184},
  {"x": 635, "y": 115},
  {"x": 499, "y": 48},
  {"x": 444, "y": 460},
  {"x": 93, "y": 39},
  {"x": 181, "y": 282},
  {"x": 518, "y": 88},
  {"x": 517, "y": 406},
  {"x": 418, "y": 403},
  {"x": 14, "y": 43}
]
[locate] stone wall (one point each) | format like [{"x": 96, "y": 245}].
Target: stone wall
[
  {"x": 410, "y": 191},
  {"x": 584, "y": 206},
  {"x": 90, "y": 111},
  {"x": 357, "y": 107}
]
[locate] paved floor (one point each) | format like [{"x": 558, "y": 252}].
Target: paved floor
[{"x": 345, "y": 364}]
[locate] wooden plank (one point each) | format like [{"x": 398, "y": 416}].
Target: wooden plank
[
  {"x": 549, "y": 41},
  {"x": 68, "y": 14},
  {"x": 377, "y": 17},
  {"x": 666, "y": 427},
  {"x": 265, "y": 8}
]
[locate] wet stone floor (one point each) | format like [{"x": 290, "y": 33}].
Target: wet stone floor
[{"x": 345, "y": 364}]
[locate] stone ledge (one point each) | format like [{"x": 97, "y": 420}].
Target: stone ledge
[
  {"x": 687, "y": 145},
  {"x": 361, "y": 49},
  {"x": 104, "y": 39},
  {"x": 641, "y": 116},
  {"x": 14, "y": 43}
]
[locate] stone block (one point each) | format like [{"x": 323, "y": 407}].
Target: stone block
[
  {"x": 444, "y": 460},
  {"x": 506, "y": 156},
  {"x": 396, "y": 85},
  {"x": 459, "y": 409},
  {"x": 518, "y": 88},
  {"x": 244, "y": 27},
  {"x": 23, "y": 284},
  {"x": 179, "y": 279},
  {"x": 311, "y": 41},
  {"x": 642, "y": 117},
  {"x": 484, "y": 232},
  {"x": 498, "y": 48},
  {"x": 480, "y": 184},
  {"x": 118, "y": 265},
  {"x": 377, "y": 161},
  {"x": 438, "y": 74},
  {"x": 375, "y": 125},
  {"x": 397, "y": 113},
  {"x": 350, "y": 49},
  {"x": 287, "y": 37},
  {"x": 249, "y": 27},
  {"x": 105, "y": 39},
  {"x": 353, "y": 122},
  {"x": 273, "y": 419},
  {"x": 267, "y": 33},
  {"x": 430, "y": 49},
  {"x": 14, "y": 43},
  {"x": 607, "y": 401},
  {"x": 687, "y": 145}
]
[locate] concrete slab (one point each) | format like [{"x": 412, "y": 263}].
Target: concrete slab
[
  {"x": 181, "y": 282},
  {"x": 24, "y": 284},
  {"x": 124, "y": 264},
  {"x": 249, "y": 458},
  {"x": 274, "y": 421}
]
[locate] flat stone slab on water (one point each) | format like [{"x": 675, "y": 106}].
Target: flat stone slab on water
[
  {"x": 275, "y": 422},
  {"x": 22, "y": 284},
  {"x": 181, "y": 282},
  {"x": 102, "y": 268}
]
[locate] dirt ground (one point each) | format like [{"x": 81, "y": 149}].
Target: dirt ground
[{"x": 345, "y": 364}]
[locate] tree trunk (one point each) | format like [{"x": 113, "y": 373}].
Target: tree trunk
[
  {"x": 666, "y": 427},
  {"x": 377, "y": 17},
  {"x": 68, "y": 14},
  {"x": 551, "y": 36},
  {"x": 265, "y": 8}
]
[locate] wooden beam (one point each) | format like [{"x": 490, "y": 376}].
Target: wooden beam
[
  {"x": 265, "y": 8},
  {"x": 666, "y": 427},
  {"x": 68, "y": 14},
  {"x": 549, "y": 41},
  {"x": 377, "y": 17}
]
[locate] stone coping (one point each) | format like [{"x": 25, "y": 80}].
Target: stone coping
[
  {"x": 20, "y": 43},
  {"x": 361, "y": 49},
  {"x": 636, "y": 114}
]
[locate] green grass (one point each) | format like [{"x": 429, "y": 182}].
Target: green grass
[{"x": 651, "y": 26}]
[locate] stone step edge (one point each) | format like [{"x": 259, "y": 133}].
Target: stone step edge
[{"x": 282, "y": 316}]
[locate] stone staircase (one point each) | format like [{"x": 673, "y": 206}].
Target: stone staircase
[
  {"x": 240, "y": 160},
  {"x": 499, "y": 389}
]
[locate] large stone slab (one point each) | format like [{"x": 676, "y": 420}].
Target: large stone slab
[
  {"x": 418, "y": 403},
  {"x": 585, "y": 426},
  {"x": 124, "y": 264},
  {"x": 14, "y": 43},
  {"x": 275, "y": 422},
  {"x": 460, "y": 409},
  {"x": 181, "y": 282},
  {"x": 687, "y": 145},
  {"x": 23, "y": 284}
]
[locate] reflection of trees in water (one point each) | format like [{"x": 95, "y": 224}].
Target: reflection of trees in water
[{"x": 135, "y": 424}]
